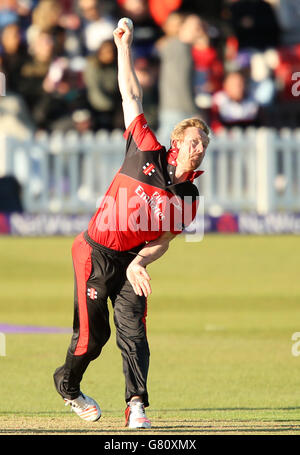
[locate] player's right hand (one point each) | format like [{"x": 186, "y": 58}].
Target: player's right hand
[
  {"x": 123, "y": 36},
  {"x": 139, "y": 279}
]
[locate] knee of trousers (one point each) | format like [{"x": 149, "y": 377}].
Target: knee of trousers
[
  {"x": 135, "y": 345},
  {"x": 97, "y": 342}
]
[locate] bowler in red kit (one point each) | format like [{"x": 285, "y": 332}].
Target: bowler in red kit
[{"x": 151, "y": 199}]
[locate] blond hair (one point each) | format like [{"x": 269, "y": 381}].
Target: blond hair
[{"x": 179, "y": 129}]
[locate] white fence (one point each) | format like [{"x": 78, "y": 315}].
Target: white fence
[{"x": 255, "y": 170}]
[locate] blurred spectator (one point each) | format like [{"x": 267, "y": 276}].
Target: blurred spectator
[
  {"x": 231, "y": 48},
  {"x": 64, "y": 93},
  {"x": 45, "y": 16},
  {"x": 13, "y": 56},
  {"x": 16, "y": 11},
  {"x": 59, "y": 19},
  {"x": 254, "y": 23},
  {"x": 101, "y": 79},
  {"x": 59, "y": 57},
  {"x": 147, "y": 73},
  {"x": 34, "y": 71},
  {"x": 208, "y": 67},
  {"x": 176, "y": 93},
  {"x": 48, "y": 14},
  {"x": 233, "y": 106},
  {"x": 146, "y": 31},
  {"x": 48, "y": 86},
  {"x": 262, "y": 82},
  {"x": 96, "y": 27},
  {"x": 170, "y": 27},
  {"x": 15, "y": 120},
  {"x": 69, "y": 18}
]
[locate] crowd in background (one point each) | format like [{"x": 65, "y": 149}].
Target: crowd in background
[{"x": 230, "y": 61}]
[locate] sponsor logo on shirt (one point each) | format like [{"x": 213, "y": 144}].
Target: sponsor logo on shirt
[{"x": 153, "y": 201}]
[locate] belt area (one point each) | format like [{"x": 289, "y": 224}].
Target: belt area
[{"x": 110, "y": 251}]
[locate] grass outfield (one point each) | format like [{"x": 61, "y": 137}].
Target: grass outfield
[{"x": 220, "y": 323}]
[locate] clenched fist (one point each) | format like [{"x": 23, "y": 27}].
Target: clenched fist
[{"x": 123, "y": 36}]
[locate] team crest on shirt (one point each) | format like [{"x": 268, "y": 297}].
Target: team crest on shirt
[
  {"x": 92, "y": 293},
  {"x": 149, "y": 169}
]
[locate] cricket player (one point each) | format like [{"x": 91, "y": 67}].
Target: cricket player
[{"x": 142, "y": 211}]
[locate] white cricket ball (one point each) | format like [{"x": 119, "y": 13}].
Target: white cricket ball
[{"x": 127, "y": 21}]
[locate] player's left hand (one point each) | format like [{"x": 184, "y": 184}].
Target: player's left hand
[{"x": 139, "y": 279}]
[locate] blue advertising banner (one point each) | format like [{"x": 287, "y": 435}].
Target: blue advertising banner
[
  {"x": 253, "y": 223},
  {"x": 22, "y": 224}
]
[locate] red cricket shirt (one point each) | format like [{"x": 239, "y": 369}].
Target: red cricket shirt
[{"x": 142, "y": 201}]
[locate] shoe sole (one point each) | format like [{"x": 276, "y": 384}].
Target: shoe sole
[{"x": 91, "y": 419}]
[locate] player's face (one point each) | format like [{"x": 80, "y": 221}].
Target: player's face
[{"x": 192, "y": 148}]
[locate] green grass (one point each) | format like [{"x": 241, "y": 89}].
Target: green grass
[{"x": 220, "y": 322}]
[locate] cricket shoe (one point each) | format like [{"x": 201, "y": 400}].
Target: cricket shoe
[
  {"x": 135, "y": 416},
  {"x": 85, "y": 407}
]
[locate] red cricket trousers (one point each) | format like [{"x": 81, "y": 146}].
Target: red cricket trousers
[{"x": 100, "y": 273}]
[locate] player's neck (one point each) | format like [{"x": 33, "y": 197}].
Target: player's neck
[{"x": 181, "y": 174}]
